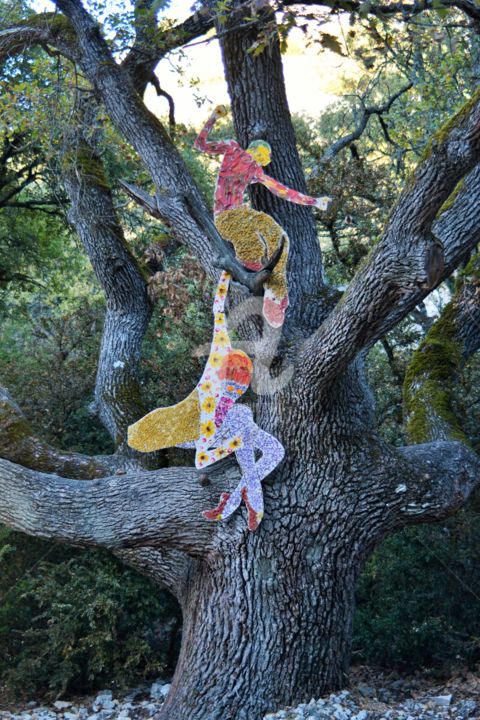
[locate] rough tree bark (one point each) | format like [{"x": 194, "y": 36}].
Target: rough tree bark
[
  {"x": 118, "y": 395},
  {"x": 268, "y": 615}
]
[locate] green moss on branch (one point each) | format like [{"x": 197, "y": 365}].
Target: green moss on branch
[
  {"x": 85, "y": 161},
  {"x": 429, "y": 381},
  {"x": 451, "y": 198}
]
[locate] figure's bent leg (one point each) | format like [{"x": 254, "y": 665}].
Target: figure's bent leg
[
  {"x": 252, "y": 493},
  {"x": 227, "y": 505}
]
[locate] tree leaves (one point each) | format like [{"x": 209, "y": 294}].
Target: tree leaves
[{"x": 330, "y": 42}]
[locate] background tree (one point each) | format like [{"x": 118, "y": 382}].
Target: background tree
[{"x": 267, "y": 616}]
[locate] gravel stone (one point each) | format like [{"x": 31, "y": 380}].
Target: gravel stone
[
  {"x": 392, "y": 699},
  {"x": 442, "y": 700}
]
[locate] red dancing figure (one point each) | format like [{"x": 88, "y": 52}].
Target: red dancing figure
[{"x": 253, "y": 234}]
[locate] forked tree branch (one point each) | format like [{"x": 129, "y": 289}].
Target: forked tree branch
[
  {"x": 409, "y": 261},
  {"x": 139, "y": 126},
  {"x": 367, "y": 113},
  {"x": 457, "y": 228}
]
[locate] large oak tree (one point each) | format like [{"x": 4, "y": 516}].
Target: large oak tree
[{"x": 267, "y": 615}]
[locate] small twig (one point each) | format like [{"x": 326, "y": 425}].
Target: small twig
[
  {"x": 20, "y": 277},
  {"x": 171, "y": 105},
  {"x": 142, "y": 198}
]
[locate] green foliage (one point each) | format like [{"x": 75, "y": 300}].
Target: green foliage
[
  {"x": 429, "y": 379},
  {"x": 72, "y": 621},
  {"x": 48, "y": 358},
  {"x": 418, "y": 600}
]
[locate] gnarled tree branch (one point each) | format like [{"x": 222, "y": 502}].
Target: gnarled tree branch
[
  {"x": 19, "y": 444},
  {"x": 159, "y": 508},
  {"x": 399, "y": 273},
  {"x": 444, "y": 476}
]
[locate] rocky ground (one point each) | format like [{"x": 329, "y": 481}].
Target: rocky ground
[{"x": 372, "y": 696}]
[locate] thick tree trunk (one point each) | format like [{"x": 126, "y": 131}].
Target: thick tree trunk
[
  {"x": 268, "y": 625},
  {"x": 268, "y": 615}
]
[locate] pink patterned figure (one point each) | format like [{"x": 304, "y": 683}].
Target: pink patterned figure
[{"x": 241, "y": 168}]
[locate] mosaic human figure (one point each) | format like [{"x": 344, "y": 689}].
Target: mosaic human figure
[
  {"x": 255, "y": 235},
  {"x": 209, "y": 421}
]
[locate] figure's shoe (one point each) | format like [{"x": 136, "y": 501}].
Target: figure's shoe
[
  {"x": 216, "y": 513},
  {"x": 254, "y": 517}
]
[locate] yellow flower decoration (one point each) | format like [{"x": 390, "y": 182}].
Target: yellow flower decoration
[
  {"x": 215, "y": 359},
  {"x": 207, "y": 428},
  {"x": 203, "y": 457},
  {"x": 235, "y": 443},
  {"x": 222, "y": 290},
  {"x": 220, "y": 452},
  {"x": 208, "y": 404},
  {"x": 207, "y": 386},
  {"x": 219, "y": 318},
  {"x": 221, "y": 338}
]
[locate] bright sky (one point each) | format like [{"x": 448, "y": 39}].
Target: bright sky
[{"x": 311, "y": 77}]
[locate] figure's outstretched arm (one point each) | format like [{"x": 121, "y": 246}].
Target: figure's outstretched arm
[
  {"x": 286, "y": 193},
  {"x": 210, "y": 386},
  {"x": 221, "y": 344},
  {"x": 212, "y": 147}
]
